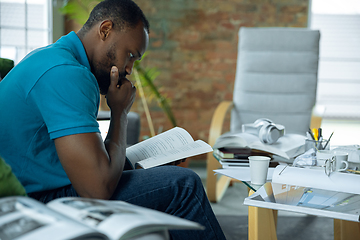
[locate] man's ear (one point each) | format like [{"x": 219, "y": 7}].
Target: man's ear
[{"x": 105, "y": 28}]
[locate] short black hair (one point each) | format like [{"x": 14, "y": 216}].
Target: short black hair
[{"x": 123, "y": 13}]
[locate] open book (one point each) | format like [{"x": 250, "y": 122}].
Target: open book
[
  {"x": 81, "y": 218},
  {"x": 287, "y": 146},
  {"x": 169, "y": 146},
  {"x": 310, "y": 191}
]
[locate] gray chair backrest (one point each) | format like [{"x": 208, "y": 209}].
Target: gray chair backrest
[
  {"x": 276, "y": 77},
  {"x": 133, "y": 127}
]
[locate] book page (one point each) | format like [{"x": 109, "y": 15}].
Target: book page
[
  {"x": 25, "y": 218},
  {"x": 235, "y": 140},
  {"x": 159, "y": 144},
  {"x": 287, "y": 146},
  {"x": 189, "y": 150},
  {"x": 118, "y": 219},
  {"x": 315, "y": 177}
]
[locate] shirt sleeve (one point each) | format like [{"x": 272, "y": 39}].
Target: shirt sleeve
[{"x": 68, "y": 98}]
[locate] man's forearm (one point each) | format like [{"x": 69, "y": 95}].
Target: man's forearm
[{"x": 115, "y": 144}]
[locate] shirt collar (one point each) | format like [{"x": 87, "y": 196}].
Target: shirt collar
[{"x": 76, "y": 46}]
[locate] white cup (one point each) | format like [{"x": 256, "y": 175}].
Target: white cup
[
  {"x": 322, "y": 156},
  {"x": 259, "y": 166},
  {"x": 341, "y": 159}
]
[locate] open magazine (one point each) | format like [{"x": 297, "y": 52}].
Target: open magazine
[
  {"x": 24, "y": 218},
  {"x": 169, "y": 146},
  {"x": 310, "y": 191},
  {"x": 287, "y": 146}
]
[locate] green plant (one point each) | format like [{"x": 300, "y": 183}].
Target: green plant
[
  {"x": 5, "y": 66},
  {"x": 79, "y": 10}
]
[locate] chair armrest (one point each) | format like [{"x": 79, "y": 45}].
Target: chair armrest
[
  {"x": 217, "y": 121},
  {"x": 316, "y": 116},
  {"x": 215, "y": 189}
]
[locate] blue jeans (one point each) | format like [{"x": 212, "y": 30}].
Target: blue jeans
[{"x": 174, "y": 190}]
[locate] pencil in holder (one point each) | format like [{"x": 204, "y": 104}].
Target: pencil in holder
[{"x": 317, "y": 145}]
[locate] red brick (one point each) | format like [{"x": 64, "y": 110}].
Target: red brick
[{"x": 195, "y": 49}]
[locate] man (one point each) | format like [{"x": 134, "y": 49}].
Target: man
[{"x": 50, "y": 136}]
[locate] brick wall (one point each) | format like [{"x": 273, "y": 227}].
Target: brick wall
[{"x": 194, "y": 45}]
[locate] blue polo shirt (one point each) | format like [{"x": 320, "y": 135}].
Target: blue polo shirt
[{"x": 51, "y": 93}]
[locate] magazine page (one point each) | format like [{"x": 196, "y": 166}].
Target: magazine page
[
  {"x": 24, "y": 218},
  {"x": 159, "y": 144},
  {"x": 319, "y": 202},
  {"x": 315, "y": 177},
  {"x": 118, "y": 219}
]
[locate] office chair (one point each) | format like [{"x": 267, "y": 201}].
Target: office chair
[
  {"x": 276, "y": 78},
  {"x": 133, "y": 127}
]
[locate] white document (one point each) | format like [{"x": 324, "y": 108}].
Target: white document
[{"x": 174, "y": 144}]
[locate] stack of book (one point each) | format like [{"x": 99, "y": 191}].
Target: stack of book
[
  {"x": 232, "y": 157},
  {"x": 233, "y": 149}
]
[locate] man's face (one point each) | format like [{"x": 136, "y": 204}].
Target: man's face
[{"x": 122, "y": 50}]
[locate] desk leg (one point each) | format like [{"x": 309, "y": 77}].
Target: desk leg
[
  {"x": 346, "y": 230},
  {"x": 262, "y": 223}
]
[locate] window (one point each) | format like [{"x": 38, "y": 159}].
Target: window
[
  {"x": 24, "y": 25},
  {"x": 339, "y": 65}
]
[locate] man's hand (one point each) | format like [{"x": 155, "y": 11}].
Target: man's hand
[
  {"x": 94, "y": 167},
  {"x": 121, "y": 93}
]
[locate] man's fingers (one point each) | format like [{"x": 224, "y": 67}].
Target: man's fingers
[{"x": 114, "y": 76}]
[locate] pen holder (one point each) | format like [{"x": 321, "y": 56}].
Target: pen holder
[{"x": 317, "y": 145}]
